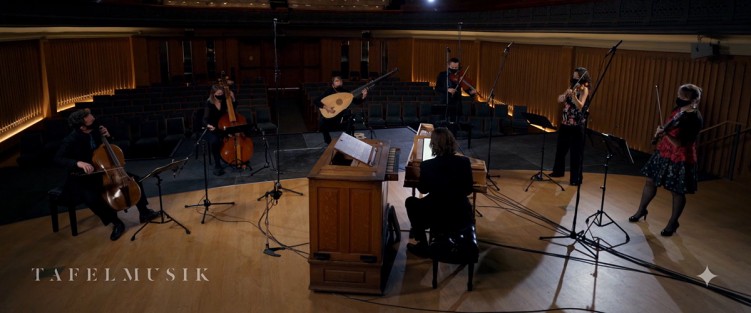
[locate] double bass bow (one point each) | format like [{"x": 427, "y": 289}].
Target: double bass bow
[
  {"x": 120, "y": 190},
  {"x": 237, "y": 149}
]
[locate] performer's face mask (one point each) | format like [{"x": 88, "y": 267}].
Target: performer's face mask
[
  {"x": 220, "y": 98},
  {"x": 680, "y": 102}
]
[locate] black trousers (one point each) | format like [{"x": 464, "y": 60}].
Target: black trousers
[
  {"x": 336, "y": 123},
  {"x": 215, "y": 141},
  {"x": 569, "y": 138}
]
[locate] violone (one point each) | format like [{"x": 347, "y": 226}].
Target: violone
[
  {"x": 237, "y": 149},
  {"x": 460, "y": 79},
  {"x": 120, "y": 190}
]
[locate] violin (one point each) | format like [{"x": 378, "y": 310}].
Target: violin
[
  {"x": 120, "y": 190},
  {"x": 461, "y": 80},
  {"x": 237, "y": 149},
  {"x": 673, "y": 123}
]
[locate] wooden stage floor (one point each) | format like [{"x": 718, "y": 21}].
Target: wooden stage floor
[{"x": 220, "y": 266}]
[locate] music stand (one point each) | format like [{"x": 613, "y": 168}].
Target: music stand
[
  {"x": 155, "y": 173},
  {"x": 543, "y": 122},
  {"x": 618, "y": 147}
]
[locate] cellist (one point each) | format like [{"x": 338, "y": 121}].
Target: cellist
[
  {"x": 216, "y": 107},
  {"x": 448, "y": 87},
  {"x": 75, "y": 153}
]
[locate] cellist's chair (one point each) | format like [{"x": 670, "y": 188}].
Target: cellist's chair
[{"x": 57, "y": 199}]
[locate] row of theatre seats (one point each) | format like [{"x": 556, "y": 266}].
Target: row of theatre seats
[
  {"x": 395, "y": 104},
  {"x": 147, "y": 122}
]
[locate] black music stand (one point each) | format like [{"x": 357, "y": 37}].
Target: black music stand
[
  {"x": 543, "y": 122},
  {"x": 613, "y": 146},
  {"x": 155, "y": 173}
]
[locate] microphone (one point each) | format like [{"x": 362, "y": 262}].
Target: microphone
[
  {"x": 174, "y": 170},
  {"x": 613, "y": 48},
  {"x": 448, "y": 50},
  {"x": 505, "y": 51}
]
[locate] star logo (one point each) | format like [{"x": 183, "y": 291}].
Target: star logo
[{"x": 707, "y": 276}]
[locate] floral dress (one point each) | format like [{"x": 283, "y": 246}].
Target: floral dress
[{"x": 675, "y": 167}]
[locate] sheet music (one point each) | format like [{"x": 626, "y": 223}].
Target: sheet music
[
  {"x": 427, "y": 152},
  {"x": 355, "y": 148}
]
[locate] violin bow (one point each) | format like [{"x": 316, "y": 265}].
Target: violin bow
[
  {"x": 659, "y": 106},
  {"x": 459, "y": 82}
]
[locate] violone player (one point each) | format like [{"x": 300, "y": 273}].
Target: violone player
[
  {"x": 216, "y": 107},
  {"x": 76, "y": 154},
  {"x": 326, "y": 125},
  {"x": 448, "y": 86}
]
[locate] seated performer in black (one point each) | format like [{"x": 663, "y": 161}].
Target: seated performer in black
[
  {"x": 447, "y": 181},
  {"x": 326, "y": 125},
  {"x": 216, "y": 107},
  {"x": 447, "y": 87},
  {"x": 75, "y": 154}
]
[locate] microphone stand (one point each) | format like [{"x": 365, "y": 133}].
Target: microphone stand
[
  {"x": 446, "y": 84},
  {"x": 572, "y": 234},
  {"x": 206, "y": 202},
  {"x": 492, "y": 114},
  {"x": 276, "y": 192}
]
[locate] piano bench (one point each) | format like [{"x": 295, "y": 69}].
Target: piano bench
[
  {"x": 454, "y": 247},
  {"x": 58, "y": 199}
]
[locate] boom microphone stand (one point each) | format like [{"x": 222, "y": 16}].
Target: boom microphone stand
[
  {"x": 275, "y": 193},
  {"x": 492, "y": 115},
  {"x": 206, "y": 202},
  {"x": 572, "y": 234}
]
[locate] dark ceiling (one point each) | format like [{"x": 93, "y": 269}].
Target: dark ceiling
[{"x": 255, "y": 16}]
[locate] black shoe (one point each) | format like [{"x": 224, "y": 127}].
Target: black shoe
[
  {"x": 218, "y": 171},
  {"x": 117, "y": 230},
  {"x": 419, "y": 249},
  {"x": 554, "y": 174},
  {"x": 573, "y": 183},
  {"x": 668, "y": 231},
  {"x": 147, "y": 215},
  {"x": 636, "y": 217}
]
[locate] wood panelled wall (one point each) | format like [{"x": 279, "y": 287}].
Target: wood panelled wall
[
  {"x": 22, "y": 100},
  {"x": 625, "y": 102},
  {"x": 78, "y": 69},
  {"x": 533, "y": 75}
]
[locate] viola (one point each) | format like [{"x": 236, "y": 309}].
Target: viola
[
  {"x": 120, "y": 190},
  {"x": 460, "y": 78},
  {"x": 237, "y": 149}
]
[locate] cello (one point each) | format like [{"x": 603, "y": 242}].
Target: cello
[
  {"x": 120, "y": 190},
  {"x": 237, "y": 149}
]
